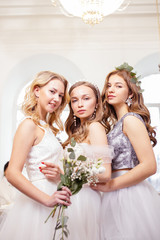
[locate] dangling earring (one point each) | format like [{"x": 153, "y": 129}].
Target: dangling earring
[
  {"x": 94, "y": 113},
  {"x": 129, "y": 101},
  {"x": 74, "y": 120}
]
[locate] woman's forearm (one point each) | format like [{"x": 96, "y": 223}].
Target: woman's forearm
[
  {"x": 132, "y": 177},
  {"x": 17, "y": 179}
]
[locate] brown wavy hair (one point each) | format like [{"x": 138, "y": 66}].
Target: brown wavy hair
[
  {"x": 80, "y": 131},
  {"x": 29, "y": 105},
  {"x": 110, "y": 117}
]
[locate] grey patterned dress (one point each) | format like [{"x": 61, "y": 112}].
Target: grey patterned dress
[{"x": 125, "y": 156}]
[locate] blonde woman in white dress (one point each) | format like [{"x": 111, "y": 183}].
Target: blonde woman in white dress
[{"x": 35, "y": 143}]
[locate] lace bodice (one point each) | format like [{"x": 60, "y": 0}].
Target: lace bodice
[
  {"x": 48, "y": 150},
  {"x": 125, "y": 156}
]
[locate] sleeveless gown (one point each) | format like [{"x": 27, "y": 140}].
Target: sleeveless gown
[
  {"x": 131, "y": 213},
  {"x": 25, "y": 221}
]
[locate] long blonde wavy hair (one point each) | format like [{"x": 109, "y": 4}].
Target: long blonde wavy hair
[
  {"x": 80, "y": 131},
  {"x": 29, "y": 105},
  {"x": 110, "y": 117}
]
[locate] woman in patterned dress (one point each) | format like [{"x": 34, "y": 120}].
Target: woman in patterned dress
[{"x": 130, "y": 205}]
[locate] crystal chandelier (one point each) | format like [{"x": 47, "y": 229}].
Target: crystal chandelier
[{"x": 91, "y": 11}]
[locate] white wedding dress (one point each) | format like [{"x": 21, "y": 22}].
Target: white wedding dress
[
  {"x": 25, "y": 221},
  {"x": 84, "y": 212}
]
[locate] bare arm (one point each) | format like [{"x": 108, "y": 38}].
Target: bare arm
[
  {"x": 97, "y": 136},
  {"x": 23, "y": 141},
  {"x": 135, "y": 130}
]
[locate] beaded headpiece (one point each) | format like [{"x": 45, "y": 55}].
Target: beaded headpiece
[{"x": 134, "y": 79}]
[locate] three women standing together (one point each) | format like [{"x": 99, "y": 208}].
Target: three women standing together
[{"x": 130, "y": 207}]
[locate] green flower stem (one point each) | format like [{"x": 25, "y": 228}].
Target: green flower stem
[
  {"x": 53, "y": 212},
  {"x": 62, "y": 221},
  {"x": 60, "y": 206}
]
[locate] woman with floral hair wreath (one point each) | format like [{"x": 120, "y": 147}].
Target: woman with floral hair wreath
[{"x": 130, "y": 205}]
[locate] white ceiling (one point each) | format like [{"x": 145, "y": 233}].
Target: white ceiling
[{"x": 45, "y": 7}]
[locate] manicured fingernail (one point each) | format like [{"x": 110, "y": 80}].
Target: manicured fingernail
[
  {"x": 39, "y": 167},
  {"x": 42, "y": 162},
  {"x": 40, "y": 170}
]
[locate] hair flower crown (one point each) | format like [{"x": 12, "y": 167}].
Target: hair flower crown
[{"x": 134, "y": 79}]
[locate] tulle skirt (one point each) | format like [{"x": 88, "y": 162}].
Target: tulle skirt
[
  {"x": 84, "y": 215},
  {"x": 131, "y": 213},
  {"x": 25, "y": 221}
]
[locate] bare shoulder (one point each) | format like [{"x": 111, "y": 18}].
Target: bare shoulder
[
  {"x": 133, "y": 125},
  {"x": 27, "y": 126},
  {"x": 97, "y": 134},
  {"x": 132, "y": 121},
  {"x": 28, "y": 123},
  {"x": 96, "y": 126},
  {"x": 25, "y": 135}
]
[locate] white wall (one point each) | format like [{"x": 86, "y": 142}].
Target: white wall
[{"x": 32, "y": 38}]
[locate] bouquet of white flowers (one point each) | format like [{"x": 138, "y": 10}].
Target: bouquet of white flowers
[{"x": 78, "y": 170}]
